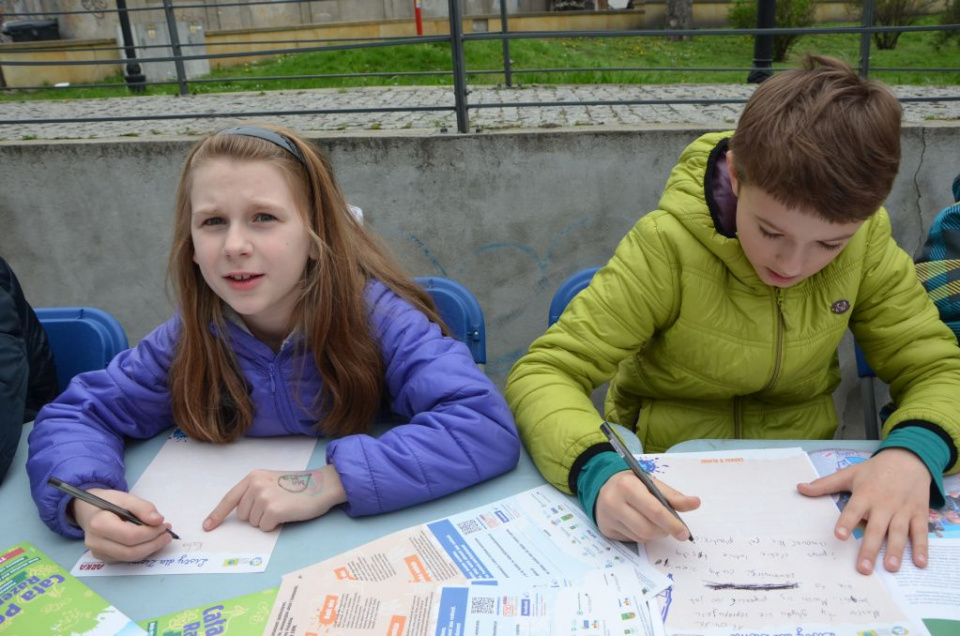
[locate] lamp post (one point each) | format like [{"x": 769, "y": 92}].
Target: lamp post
[
  {"x": 763, "y": 44},
  {"x": 136, "y": 80}
]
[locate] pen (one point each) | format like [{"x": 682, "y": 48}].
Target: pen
[
  {"x": 103, "y": 504},
  {"x": 621, "y": 448}
]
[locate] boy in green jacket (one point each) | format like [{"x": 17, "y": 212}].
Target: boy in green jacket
[{"x": 720, "y": 314}]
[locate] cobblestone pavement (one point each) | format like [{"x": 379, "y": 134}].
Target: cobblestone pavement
[{"x": 270, "y": 106}]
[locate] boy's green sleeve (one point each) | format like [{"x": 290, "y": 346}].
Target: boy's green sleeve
[
  {"x": 930, "y": 447},
  {"x": 549, "y": 388},
  {"x": 593, "y": 476}
]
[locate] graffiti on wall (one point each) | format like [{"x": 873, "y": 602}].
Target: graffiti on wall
[{"x": 96, "y": 7}]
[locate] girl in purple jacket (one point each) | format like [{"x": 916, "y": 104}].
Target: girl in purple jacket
[{"x": 293, "y": 320}]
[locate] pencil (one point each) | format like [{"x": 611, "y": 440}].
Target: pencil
[
  {"x": 621, "y": 448},
  {"x": 99, "y": 502}
]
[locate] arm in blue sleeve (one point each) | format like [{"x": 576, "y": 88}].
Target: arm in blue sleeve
[
  {"x": 79, "y": 437},
  {"x": 458, "y": 430}
]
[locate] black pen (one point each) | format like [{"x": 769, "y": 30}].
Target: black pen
[
  {"x": 621, "y": 448},
  {"x": 103, "y": 504}
]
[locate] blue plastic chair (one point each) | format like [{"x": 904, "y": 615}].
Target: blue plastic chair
[
  {"x": 461, "y": 311},
  {"x": 569, "y": 288},
  {"x": 81, "y": 338}
]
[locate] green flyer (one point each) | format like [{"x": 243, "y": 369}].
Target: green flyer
[
  {"x": 240, "y": 616},
  {"x": 37, "y": 597}
]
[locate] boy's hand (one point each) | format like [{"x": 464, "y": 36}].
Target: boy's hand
[
  {"x": 892, "y": 492},
  {"x": 268, "y": 498},
  {"x": 112, "y": 539},
  {"x": 626, "y": 511}
]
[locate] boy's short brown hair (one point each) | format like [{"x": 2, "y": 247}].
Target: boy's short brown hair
[{"x": 821, "y": 138}]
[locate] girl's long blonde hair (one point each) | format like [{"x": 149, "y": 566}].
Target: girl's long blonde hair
[{"x": 209, "y": 395}]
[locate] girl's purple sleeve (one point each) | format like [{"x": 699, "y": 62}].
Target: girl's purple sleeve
[
  {"x": 79, "y": 437},
  {"x": 457, "y": 430}
]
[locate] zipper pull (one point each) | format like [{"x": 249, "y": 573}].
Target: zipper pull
[{"x": 273, "y": 379}]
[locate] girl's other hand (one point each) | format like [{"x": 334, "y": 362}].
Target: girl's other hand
[
  {"x": 268, "y": 498},
  {"x": 891, "y": 490},
  {"x": 626, "y": 511},
  {"x": 112, "y": 539}
]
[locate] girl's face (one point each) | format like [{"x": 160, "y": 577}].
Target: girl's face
[{"x": 250, "y": 242}]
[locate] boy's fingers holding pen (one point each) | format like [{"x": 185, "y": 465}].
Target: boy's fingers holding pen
[{"x": 680, "y": 501}]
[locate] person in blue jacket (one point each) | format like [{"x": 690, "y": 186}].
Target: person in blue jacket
[
  {"x": 28, "y": 375},
  {"x": 293, "y": 320}
]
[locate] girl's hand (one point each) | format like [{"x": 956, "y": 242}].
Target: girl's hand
[
  {"x": 268, "y": 498},
  {"x": 892, "y": 492},
  {"x": 626, "y": 511},
  {"x": 112, "y": 539}
]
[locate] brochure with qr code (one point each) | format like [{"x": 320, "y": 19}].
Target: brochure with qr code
[
  {"x": 37, "y": 596},
  {"x": 241, "y": 616},
  {"x": 512, "y": 566}
]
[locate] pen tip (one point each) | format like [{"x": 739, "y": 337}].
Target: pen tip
[
  {"x": 691, "y": 538},
  {"x": 174, "y": 534}
]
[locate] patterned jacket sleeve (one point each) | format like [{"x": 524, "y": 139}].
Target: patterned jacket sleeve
[
  {"x": 457, "y": 432},
  {"x": 79, "y": 437}
]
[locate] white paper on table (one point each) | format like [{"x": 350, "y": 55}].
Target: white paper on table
[
  {"x": 538, "y": 534},
  {"x": 765, "y": 559},
  {"x": 606, "y": 603},
  {"x": 185, "y": 481}
]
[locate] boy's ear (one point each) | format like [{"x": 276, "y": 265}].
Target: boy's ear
[{"x": 732, "y": 170}]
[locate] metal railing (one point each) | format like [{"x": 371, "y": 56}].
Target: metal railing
[{"x": 456, "y": 38}]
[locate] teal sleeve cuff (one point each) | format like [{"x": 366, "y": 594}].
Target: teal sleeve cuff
[
  {"x": 932, "y": 451},
  {"x": 593, "y": 476}
]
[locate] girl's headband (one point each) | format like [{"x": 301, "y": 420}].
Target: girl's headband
[{"x": 267, "y": 135}]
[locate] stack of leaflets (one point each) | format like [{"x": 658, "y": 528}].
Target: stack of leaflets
[{"x": 37, "y": 596}]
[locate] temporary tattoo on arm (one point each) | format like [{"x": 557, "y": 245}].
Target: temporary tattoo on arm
[{"x": 307, "y": 483}]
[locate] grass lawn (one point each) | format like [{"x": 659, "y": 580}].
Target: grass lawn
[{"x": 915, "y": 50}]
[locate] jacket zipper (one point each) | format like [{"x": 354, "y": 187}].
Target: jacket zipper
[
  {"x": 737, "y": 420},
  {"x": 781, "y": 327},
  {"x": 777, "y": 363}
]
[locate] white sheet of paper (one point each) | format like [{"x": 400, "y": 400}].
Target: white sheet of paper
[
  {"x": 765, "y": 559},
  {"x": 186, "y": 481}
]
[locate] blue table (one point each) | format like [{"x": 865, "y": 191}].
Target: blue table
[{"x": 300, "y": 544}]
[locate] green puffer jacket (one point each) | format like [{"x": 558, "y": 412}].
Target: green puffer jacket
[{"x": 695, "y": 345}]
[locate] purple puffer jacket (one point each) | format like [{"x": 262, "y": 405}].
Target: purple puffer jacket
[{"x": 459, "y": 430}]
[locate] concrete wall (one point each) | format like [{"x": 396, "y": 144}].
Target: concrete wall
[{"x": 510, "y": 215}]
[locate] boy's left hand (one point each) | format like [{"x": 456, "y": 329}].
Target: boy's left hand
[
  {"x": 891, "y": 491},
  {"x": 268, "y": 498}
]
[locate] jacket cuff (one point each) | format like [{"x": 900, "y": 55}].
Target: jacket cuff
[
  {"x": 594, "y": 475},
  {"x": 65, "y": 525},
  {"x": 925, "y": 441},
  {"x": 358, "y": 481}
]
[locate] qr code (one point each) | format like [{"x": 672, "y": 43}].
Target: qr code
[
  {"x": 470, "y": 525},
  {"x": 483, "y": 605}
]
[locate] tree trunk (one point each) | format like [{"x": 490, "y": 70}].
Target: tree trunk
[{"x": 679, "y": 16}]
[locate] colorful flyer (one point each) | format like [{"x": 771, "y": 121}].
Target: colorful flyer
[
  {"x": 241, "y": 616},
  {"x": 38, "y": 597}
]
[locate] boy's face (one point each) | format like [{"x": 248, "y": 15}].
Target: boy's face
[{"x": 784, "y": 245}]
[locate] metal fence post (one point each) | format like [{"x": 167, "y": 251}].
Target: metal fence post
[
  {"x": 175, "y": 47},
  {"x": 459, "y": 69},
  {"x": 504, "y": 28},
  {"x": 866, "y": 22},
  {"x": 136, "y": 80},
  {"x": 762, "y": 43}
]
